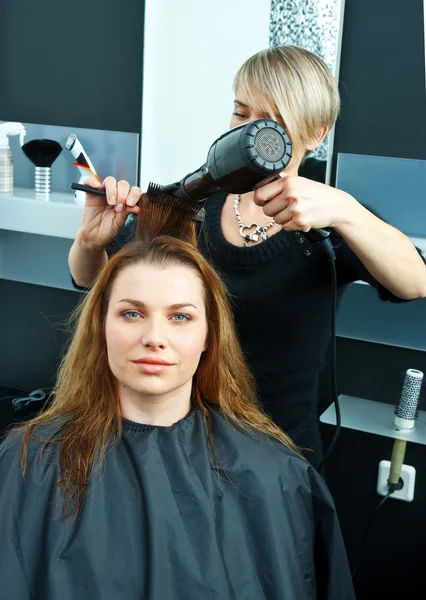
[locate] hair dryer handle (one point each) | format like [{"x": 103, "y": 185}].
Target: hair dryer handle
[{"x": 322, "y": 236}]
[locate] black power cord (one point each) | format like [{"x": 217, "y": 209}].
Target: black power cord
[
  {"x": 322, "y": 236},
  {"x": 392, "y": 488},
  {"x": 333, "y": 353}
]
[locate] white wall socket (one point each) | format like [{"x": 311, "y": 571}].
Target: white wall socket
[{"x": 408, "y": 476}]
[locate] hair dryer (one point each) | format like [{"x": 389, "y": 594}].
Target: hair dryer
[{"x": 239, "y": 161}]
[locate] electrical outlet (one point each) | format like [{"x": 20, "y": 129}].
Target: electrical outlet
[{"x": 408, "y": 476}]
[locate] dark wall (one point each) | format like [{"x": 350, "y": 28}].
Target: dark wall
[
  {"x": 382, "y": 84},
  {"x": 382, "y": 80},
  {"x": 34, "y": 331},
  {"x": 70, "y": 63}
]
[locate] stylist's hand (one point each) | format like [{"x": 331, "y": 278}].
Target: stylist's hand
[
  {"x": 103, "y": 218},
  {"x": 300, "y": 204}
]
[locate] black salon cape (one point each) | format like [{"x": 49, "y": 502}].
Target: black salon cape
[{"x": 163, "y": 522}]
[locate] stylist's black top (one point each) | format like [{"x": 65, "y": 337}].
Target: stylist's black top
[
  {"x": 167, "y": 519},
  {"x": 281, "y": 299}
]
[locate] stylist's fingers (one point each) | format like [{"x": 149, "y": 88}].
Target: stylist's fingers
[
  {"x": 94, "y": 201},
  {"x": 133, "y": 197},
  {"x": 285, "y": 219},
  {"x": 292, "y": 219},
  {"x": 110, "y": 186},
  {"x": 275, "y": 206},
  {"x": 123, "y": 189},
  {"x": 92, "y": 182},
  {"x": 269, "y": 191}
]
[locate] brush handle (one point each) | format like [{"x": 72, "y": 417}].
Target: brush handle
[
  {"x": 397, "y": 460},
  {"x": 43, "y": 185},
  {"x": 89, "y": 190}
]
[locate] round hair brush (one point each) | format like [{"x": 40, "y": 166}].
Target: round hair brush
[{"x": 42, "y": 153}]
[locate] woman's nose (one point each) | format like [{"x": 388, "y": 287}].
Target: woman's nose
[{"x": 154, "y": 336}]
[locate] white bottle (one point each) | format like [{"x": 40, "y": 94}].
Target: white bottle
[
  {"x": 6, "y": 158},
  {"x": 85, "y": 165}
]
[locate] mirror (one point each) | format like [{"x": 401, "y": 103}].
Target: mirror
[
  {"x": 191, "y": 58},
  {"x": 317, "y": 26}
]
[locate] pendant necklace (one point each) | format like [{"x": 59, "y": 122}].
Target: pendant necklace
[{"x": 251, "y": 232}]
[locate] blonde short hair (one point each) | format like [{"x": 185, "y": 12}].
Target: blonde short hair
[{"x": 293, "y": 86}]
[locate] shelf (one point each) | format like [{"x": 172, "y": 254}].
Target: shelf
[
  {"x": 368, "y": 416},
  {"x": 36, "y": 236},
  {"x": 363, "y": 316},
  {"x": 35, "y": 259},
  {"x": 22, "y": 212},
  {"x": 420, "y": 243},
  {"x": 59, "y": 216}
]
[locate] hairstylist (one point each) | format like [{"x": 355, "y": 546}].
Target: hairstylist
[{"x": 280, "y": 283}]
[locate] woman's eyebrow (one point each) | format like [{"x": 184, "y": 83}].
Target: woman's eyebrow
[
  {"x": 241, "y": 104},
  {"x": 140, "y": 304},
  {"x": 130, "y": 301},
  {"x": 182, "y": 305}
]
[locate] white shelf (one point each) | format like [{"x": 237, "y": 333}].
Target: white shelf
[
  {"x": 35, "y": 237},
  {"x": 363, "y": 316},
  {"x": 35, "y": 259},
  {"x": 360, "y": 414},
  {"x": 420, "y": 243},
  {"x": 58, "y": 217}
]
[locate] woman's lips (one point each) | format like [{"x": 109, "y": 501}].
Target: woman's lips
[{"x": 151, "y": 366}]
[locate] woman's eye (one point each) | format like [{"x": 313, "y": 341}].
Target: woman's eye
[
  {"x": 239, "y": 115},
  {"x": 181, "y": 318},
  {"x": 131, "y": 314}
]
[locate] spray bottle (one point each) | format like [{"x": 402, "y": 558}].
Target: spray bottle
[{"x": 6, "y": 158}]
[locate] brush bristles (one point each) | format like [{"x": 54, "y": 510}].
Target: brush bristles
[
  {"x": 155, "y": 195},
  {"x": 42, "y": 153},
  {"x": 163, "y": 214}
]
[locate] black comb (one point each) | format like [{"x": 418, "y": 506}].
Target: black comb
[{"x": 156, "y": 195}]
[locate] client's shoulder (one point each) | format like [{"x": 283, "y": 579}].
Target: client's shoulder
[
  {"x": 40, "y": 439},
  {"x": 257, "y": 451}
]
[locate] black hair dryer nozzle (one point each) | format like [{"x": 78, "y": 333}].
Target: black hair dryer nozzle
[{"x": 238, "y": 161}]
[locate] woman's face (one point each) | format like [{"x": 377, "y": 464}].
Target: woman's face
[
  {"x": 156, "y": 328},
  {"x": 243, "y": 113}
]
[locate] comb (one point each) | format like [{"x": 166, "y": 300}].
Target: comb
[{"x": 156, "y": 195}]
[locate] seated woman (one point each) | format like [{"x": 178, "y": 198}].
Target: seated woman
[{"x": 154, "y": 474}]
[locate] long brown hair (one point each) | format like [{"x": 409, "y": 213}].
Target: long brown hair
[{"x": 85, "y": 396}]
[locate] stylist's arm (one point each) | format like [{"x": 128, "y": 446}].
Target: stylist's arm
[
  {"x": 101, "y": 221},
  {"x": 299, "y": 204}
]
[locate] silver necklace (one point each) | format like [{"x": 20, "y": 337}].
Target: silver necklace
[{"x": 253, "y": 230}]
